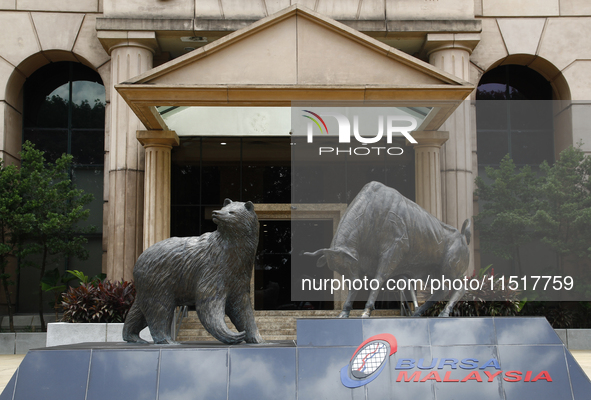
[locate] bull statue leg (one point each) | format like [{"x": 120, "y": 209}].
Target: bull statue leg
[
  {"x": 373, "y": 295},
  {"x": 456, "y": 296},
  {"x": 348, "y": 306},
  {"x": 422, "y": 309},
  {"x": 388, "y": 263},
  {"x": 450, "y": 304},
  {"x": 454, "y": 267}
]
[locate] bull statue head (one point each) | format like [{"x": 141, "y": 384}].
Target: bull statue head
[{"x": 341, "y": 259}]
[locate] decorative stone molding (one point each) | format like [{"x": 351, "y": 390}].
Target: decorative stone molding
[
  {"x": 112, "y": 40},
  {"x": 446, "y": 41}
]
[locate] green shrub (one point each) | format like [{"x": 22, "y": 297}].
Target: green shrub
[
  {"x": 487, "y": 302},
  {"x": 561, "y": 315},
  {"x": 98, "y": 302}
]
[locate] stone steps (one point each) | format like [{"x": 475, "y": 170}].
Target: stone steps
[{"x": 273, "y": 325}]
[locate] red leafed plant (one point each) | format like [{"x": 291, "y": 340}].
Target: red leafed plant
[{"x": 104, "y": 301}]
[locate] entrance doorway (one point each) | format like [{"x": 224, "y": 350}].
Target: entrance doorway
[{"x": 279, "y": 266}]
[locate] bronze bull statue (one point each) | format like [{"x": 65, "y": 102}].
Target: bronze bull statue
[{"x": 384, "y": 235}]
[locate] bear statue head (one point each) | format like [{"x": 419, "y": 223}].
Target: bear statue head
[{"x": 237, "y": 217}]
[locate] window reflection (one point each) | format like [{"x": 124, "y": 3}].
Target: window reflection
[
  {"x": 88, "y": 104},
  {"x": 64, "y": 112},
  {"x": 220, "y": 170},
  {"x": 515, "y": 117},
  {"x": 207, "y": 170},
  {"x": 54, "y": 142},
  {"x": 520, "y": 125}
]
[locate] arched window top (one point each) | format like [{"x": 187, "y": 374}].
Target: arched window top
[
  {"x": 64, "y": 95},
  {"x": 64, "y": 112},
  {"x": 513, "y": 82},
  {"x": 522, "y": 125}
]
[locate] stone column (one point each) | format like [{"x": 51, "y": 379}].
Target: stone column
[
  {"x": 157, "y": 145},
  {"x": 451, "y": 53},
  {"x": 131, "y": 54},
  {"x": 428, "y": 170}
]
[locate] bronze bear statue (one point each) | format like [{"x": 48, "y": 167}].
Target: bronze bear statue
[{"x": 211, "y": 272}]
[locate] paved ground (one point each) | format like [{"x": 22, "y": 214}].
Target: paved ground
[
  {"x": 9, "y": 364},
  {"x": 583, "y": 357}
]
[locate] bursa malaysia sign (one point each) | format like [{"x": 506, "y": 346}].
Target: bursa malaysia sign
[{"x": 370, "y": 358}]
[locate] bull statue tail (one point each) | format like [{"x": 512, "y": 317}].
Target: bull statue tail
[{"x": 466, "y": 230}]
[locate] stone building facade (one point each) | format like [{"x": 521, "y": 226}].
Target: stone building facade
[{"x": 151, "y": 54}]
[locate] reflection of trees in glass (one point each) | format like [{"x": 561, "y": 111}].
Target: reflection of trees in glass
[
  {"x": 64, "y": 110},
  {"x": 484, "y": 94},
  {"x": 519, "y": 207},
  {"x": 508, "y": 203},
  {"x": 85, "y": 116},
  {"x": 564, "y": 217},
  {"x": 52, "y": 112}
]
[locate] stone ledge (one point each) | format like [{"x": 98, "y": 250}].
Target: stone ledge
[
  {"x": 578, "y": 339},
  {"x": 427, "y": 26},
  {"x": 65, "y": 333},
  {"x": 21, "y": 342},
  {"x": 26, "y": 322},
  {"x": 7, "y": 343},
  {"x": 231, "y": 25},
  {"x": 27, "y": 341},
  {"x": 153, "y": 24}
]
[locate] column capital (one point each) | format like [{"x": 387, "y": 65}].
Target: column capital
[
  {"x": 443, "y": 41},
  {"x": 158, "y": 138},
  {"x": 429, "y": 138},
  {"x": 115, "y": 39}
]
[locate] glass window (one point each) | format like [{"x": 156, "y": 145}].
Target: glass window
[
  {"x": 514, "y": 116},
  {"x": 207, "y": 170},
  {"x": 266, "y": 170},
  {"x": 64, "y": 112}
]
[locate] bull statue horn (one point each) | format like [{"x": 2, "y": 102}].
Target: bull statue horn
[
  {"x": 466, "y": 230},
  {"x": 314, "y": 254},
  {"x": 321, "y": 262}
]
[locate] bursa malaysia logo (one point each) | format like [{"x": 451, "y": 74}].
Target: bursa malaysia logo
[
  {"x": 388, "y": 125},
  {"x": 370, "y": 358}
]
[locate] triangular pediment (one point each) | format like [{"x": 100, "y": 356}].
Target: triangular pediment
[
  {"x": 297, "y": 46},
  {"x": 293, "y": 55}
]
